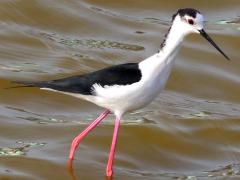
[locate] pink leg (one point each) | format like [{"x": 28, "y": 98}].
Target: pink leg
[
  {"x": 78, "y": 139},
  {"x": 109, "y": 171}
]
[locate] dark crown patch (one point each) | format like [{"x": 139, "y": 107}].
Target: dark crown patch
[{"x": 187, "y": 11}]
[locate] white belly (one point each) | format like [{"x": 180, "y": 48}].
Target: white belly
[{"x": 121, "y": 99}]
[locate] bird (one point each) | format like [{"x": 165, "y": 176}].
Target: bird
[{"x": 130, "y": 86}]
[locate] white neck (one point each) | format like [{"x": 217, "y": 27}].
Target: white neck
[
  {"x": 160, "y": 64},
  {"x": 173, "y": 39}
]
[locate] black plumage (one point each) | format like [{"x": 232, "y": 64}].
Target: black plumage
[{"x": 123, "y": 74}]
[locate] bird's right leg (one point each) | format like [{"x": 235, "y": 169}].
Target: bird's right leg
[
  {"x": 76, "y": 141},
  {"x": 109, "y": 171}
]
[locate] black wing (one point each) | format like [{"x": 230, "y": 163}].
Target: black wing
[{"x": 123, "y": 74}]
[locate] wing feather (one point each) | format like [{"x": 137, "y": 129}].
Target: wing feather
[{"x": 120, "y": 74}]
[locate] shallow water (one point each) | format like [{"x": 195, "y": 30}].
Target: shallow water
[{"x": 191, "y": 131}]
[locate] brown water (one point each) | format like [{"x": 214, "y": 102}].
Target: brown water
[{"x": 191, "y": 131}]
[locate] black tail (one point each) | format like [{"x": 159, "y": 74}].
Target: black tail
[{"x": 26, "y": 84}]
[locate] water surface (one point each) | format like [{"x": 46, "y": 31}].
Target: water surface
[{"x": 191, "y": 131}]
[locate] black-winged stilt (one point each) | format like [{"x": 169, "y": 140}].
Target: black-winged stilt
[{"x": 130, "y": 86}]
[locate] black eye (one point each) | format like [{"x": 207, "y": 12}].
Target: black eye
[{"x": 190, "y": 21}]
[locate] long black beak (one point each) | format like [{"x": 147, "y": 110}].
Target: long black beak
[{"x": 207, "y": 37}]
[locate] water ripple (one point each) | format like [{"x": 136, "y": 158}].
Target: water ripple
[
  {"x": 92, "y": 43},
  {"x": 21, "y": 150}
]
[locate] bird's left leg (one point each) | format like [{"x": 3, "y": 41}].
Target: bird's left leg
[
  {"x": 109, "y": 170},
  {"x": 77, "y": 139}
]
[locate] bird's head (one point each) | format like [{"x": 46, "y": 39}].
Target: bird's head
[{"x": 190, "y": 20}]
